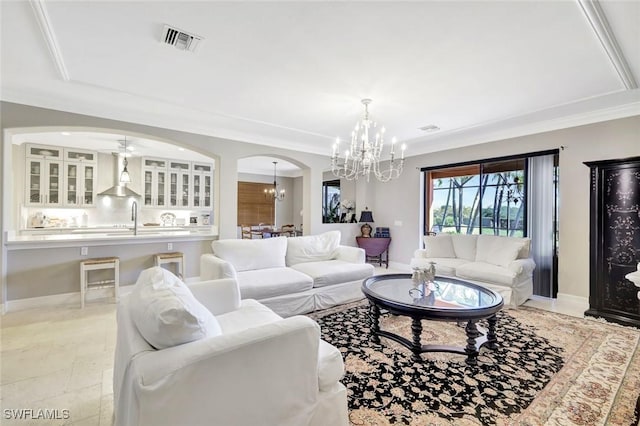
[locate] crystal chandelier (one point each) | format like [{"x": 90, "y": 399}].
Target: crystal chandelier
[
  {"x": 273, "y": 191},
  {"x": 363, "y": 154}
]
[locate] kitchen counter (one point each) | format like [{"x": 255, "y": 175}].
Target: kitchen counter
[
  {"x": 46, "y": 268},
  {"x": 72, "y": 237}
]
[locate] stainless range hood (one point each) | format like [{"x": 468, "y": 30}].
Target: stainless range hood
[{"x": 119, "y": 189}]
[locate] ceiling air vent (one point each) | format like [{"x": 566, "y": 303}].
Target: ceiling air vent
[
  {"x": 429, "y": 128},
  {"x": 180, "y": 39}
]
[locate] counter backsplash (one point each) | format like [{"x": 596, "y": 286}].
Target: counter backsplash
[{"x": 115, "y": 212}]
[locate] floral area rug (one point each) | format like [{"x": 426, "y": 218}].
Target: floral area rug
[{"x": 548, "y": 369}]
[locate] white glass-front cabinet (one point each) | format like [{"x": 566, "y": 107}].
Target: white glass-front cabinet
[
  {"x": 155, "y": 182},
  {"x": 80, "y": 175},
  {"x": 44, "y": 175},
  {"x": 44, "y": 182},
  {"x": 179, "y": 183},
  {"x": 79, "y": 184},
  {"x": 202, "y": 185}
]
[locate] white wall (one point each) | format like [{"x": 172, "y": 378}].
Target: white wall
[
  {"x": 395, "y": 204},
  {"x": 297, "y": 202},
  {"x": 400, "y": 200}
]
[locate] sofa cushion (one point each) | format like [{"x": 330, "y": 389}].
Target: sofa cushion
[
  {"x": 330, "y": 365},
  {"x": 486, "y": 272},
  {"x": 500, "y": 251},
  {"x": 250, "y": 314},
  {"x": 331, "y": 272},
  {"x": 444, "y": 266},
  {"x": 270, "y": 282},
  {"x": 312, "y": 248},
  {"x": 165, "y": 311},
  {"x": 247, "y": 255},
  {"x": 439, "y": 246},
  {"x": 464, "y": 246}
]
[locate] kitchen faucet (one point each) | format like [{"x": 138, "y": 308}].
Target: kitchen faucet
[{"x": 134, "y": 217}]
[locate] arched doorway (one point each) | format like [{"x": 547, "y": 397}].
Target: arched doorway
[{"x": 260, "y": 201}]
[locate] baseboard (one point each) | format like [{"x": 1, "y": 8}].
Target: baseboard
[
  {"x": 400, "y": 266},
  {"x": 57, "y": 300},
  {"x": 43, "y": 301},
  {"x": 68, "y": 299},
  {"x": 578, "y": 301}
]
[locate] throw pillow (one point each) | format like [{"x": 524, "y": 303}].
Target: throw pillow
[
  {"x": 165, "y": 311},
  {"x": 312, "y": 248},
  {"x": 500, "y": 251},
  {"x": 248, "y": 255},
  {"x": 505, "y": 253},
  {"x": 439, "y": 246}
]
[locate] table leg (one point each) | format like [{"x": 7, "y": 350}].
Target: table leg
[
  {"x": 470, "y": 349},
  {"x": 374, "y": 316},
  {"x": 492, "y": 340},
  {"x": 416, "y": 329}
]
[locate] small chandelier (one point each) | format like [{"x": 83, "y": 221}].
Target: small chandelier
[
  {"x": 124, "y": 176},
  {"x": 363, "y": 155},
  {"x": 273, "y": 191}
]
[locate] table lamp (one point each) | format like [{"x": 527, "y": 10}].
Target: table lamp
[{"x": 366, "y": 216}]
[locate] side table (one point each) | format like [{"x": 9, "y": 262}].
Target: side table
[{"x": 376, "y": 249}]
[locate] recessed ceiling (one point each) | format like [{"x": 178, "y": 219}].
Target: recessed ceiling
[{"x": 292, "y": 74}]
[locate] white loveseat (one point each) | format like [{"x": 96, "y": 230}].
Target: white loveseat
[
  {"x": 499, "y": 263},
  {"x": 290, "y": 275},
  {"x": 217, "y": 360}
]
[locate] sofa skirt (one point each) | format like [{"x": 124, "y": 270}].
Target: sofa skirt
[{"x": 315, "y": 299}]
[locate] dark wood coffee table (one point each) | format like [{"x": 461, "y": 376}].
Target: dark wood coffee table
[{"x": 452, "y": 300}]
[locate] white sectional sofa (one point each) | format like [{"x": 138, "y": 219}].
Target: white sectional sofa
[
  {"x": 198, "y": 355},
  {"x": 290, "y": 275},
  {"x": 499, "y": 263}
]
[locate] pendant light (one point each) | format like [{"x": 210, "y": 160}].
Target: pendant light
[{"x": 124, "y": 176}]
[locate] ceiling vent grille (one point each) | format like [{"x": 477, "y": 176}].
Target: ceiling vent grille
[{"x": 180, "y": 39}]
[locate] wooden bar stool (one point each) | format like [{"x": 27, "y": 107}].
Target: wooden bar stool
[
  {"x": 96, "y": 264},
  {"x": 176, "y": 257}
]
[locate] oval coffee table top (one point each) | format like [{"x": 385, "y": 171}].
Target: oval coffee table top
[{"x": 451, "y": 298}]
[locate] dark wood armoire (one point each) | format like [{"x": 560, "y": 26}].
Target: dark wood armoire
[{"x": 614, "y": 240}]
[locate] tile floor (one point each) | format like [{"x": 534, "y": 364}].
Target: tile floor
[{"x": 61, "y": 358}]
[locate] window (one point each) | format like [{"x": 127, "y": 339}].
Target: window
[
  {"x": 253, "y": 206},
  {"x": 331, "y": 201},
  {"x": 485, "y": 198},
  {"x": 510, "y": 196}
]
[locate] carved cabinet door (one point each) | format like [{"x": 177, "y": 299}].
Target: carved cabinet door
[{"x": 614, "y": 240}]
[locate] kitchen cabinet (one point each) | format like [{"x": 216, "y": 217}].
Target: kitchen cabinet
[
  {"x": 155, "y": 182},
  {"x": 202, "y": 185},
  {"x": 43, "y": 182},
  {"x": 44, "y": 175},
  {"x": 59, "y": 177},
  {"x": 79, "y": 187},
  {"x": 179, "y": 184},
  {"x": 80, "y": 173}
]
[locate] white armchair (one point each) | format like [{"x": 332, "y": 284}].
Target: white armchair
[{"x": 261, "y": 369}]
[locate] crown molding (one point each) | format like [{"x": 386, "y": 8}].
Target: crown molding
[
  {"x": 596, "y": 17},
  {"x": 505, "y": 129},
  {"x": 42, "y": 16}
]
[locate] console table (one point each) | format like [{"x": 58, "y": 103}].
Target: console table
[{"x": 376, "y": 249}]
